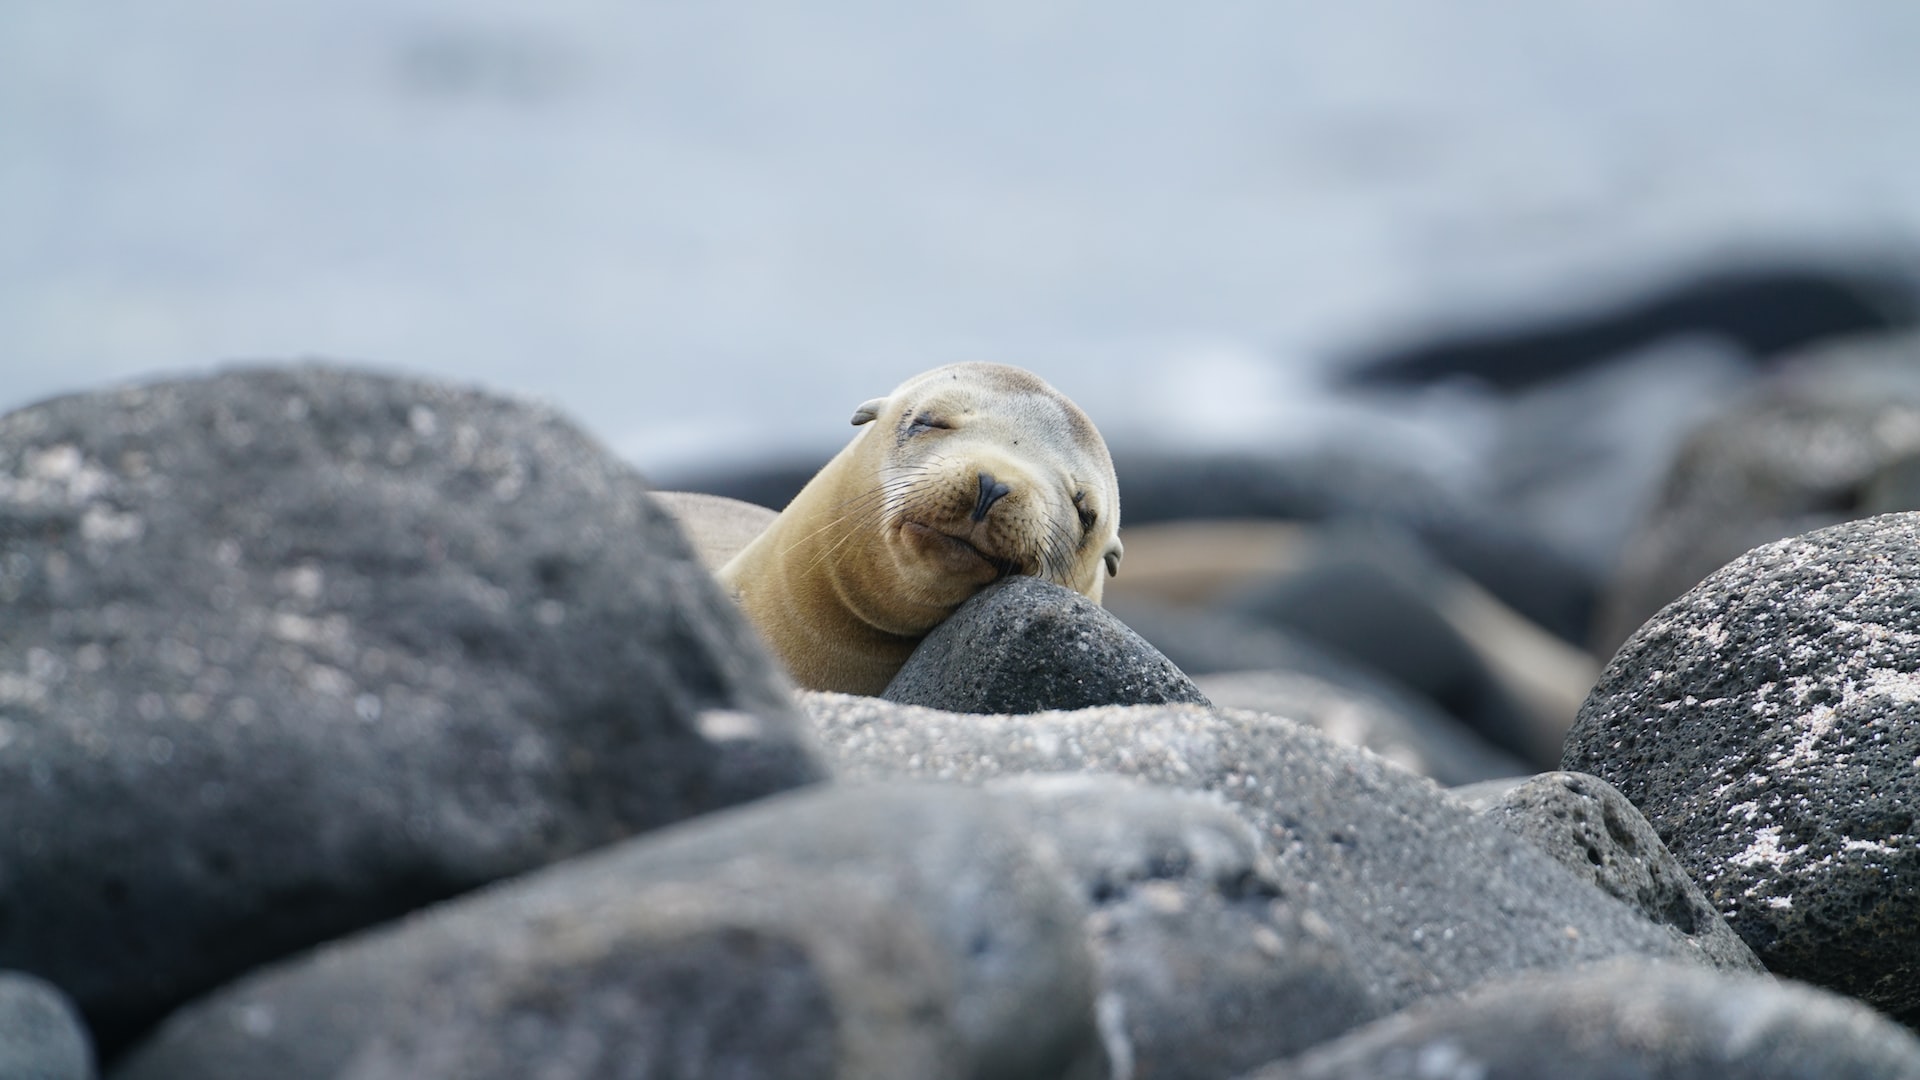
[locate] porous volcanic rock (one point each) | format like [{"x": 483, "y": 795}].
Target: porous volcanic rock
[
  {"x": 1767, "y": 724},
  {"x": 289, "y": 651},
  {"x": 1593, "y": 830}
]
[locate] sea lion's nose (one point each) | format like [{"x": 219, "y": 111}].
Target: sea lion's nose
[{"x": 991, "y": 491}]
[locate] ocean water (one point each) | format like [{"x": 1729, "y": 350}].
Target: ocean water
[{"x": 708, "y": 230}]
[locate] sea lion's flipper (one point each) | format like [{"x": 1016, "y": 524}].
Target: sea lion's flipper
[{"x": 868, "y": 411}]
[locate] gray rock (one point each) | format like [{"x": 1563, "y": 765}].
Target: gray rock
[
  {"x": 41, "y": 1037},
  {"x": 1593, "y": 830},
  {"x": 1424, "y": 741},
  {"x": 1829, "y": 438},
  {"x": 1556, "y": 453},
  {"x": 1767, "y": 724},
  {"x": 287, "y": 652},
  {"x": 1426, "y": 897},
  {"x": 1621, "y": 1020},
  {"x": 1025, "y": 645},
  {"x": 840, "y": 931},
  {"x": 1204, "y": 969}
]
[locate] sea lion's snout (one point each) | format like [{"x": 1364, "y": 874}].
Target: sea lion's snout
[{"x": 991, "y": 491}]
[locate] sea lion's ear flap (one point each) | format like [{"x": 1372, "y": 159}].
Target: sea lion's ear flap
[
  {"x": 868, "y": 411},
  {"x": 1113, "y": 558}
]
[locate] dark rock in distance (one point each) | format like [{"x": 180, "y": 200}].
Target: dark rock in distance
[
  {"x": 1374, "y": 599},
  {"x": 1767, "y": 306},
  {"x": 1201, "y": 641},
  {"x": 1767, "y": 724},
  {"x": 1026, "y": 645},
  {"x": 1623, "y": 1019},
  {"x": 1262, "y": 668},
  {"x": 1833, "y": 436},
  {"x": 1525, "y": 571},
  {"x": 285, "y": 652}
]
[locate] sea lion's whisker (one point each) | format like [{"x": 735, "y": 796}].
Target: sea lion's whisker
[
  {"x": 1056, "y": 553},
  {"x": 850, "y": 524},
  {"x": 839, "y": 518}
]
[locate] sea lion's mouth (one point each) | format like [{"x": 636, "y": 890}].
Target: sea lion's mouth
[{"x": 956, "y": 554}]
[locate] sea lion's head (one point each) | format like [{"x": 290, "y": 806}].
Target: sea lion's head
[
  {"x": 983, "y": 471},
  {"x": 963, "y": 475}
]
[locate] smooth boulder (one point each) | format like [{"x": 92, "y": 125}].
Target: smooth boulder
[
  {"x": 1203, "y": 966},
  {"x": 285, "y": 652},
  {"x": 1619, "y": 1021},
  {"x": 839, "y": 932},
  {"x": 1026, "y": 645}
]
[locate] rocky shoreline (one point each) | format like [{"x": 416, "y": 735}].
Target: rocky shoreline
[{"x": 354, "y": 726}]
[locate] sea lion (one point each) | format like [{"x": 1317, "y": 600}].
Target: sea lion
[{"x": 963, "y": 475}]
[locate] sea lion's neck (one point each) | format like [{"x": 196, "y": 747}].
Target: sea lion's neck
[{"x": 804, "y": 617}]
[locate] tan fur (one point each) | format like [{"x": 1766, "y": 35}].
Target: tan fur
[{"x": 882, "y": 544}]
